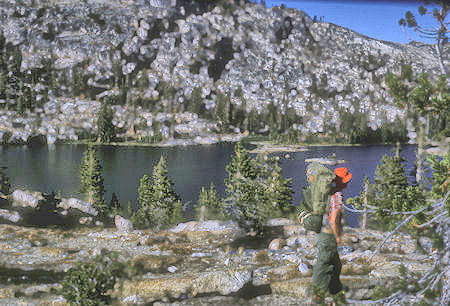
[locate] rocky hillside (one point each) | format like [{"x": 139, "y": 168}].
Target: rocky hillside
[
  {"x": 177, "y": 267},
  {"x": 175, "y": 69}
]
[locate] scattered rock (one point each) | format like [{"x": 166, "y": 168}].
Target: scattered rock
[
  {"x": 85, "y": 220},
  {"x": 123, "y": 225},
  {"x": 276, "y": 244}
]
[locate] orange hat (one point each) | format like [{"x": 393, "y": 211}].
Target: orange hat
[{"x": 343, "y": 174}]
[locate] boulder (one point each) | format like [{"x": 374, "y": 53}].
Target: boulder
[
  {"x": 123, "y": 225},
  {"x": 26, "y": 199},
  {"x": 211, "y": 229},
  {"x": 280, "y": 222},
  {"x": 11, "y": 216},
  {"x": 80, "y": 205},
  {"x": 175, "y": 285},
  {"x": 266, "y": 275}
]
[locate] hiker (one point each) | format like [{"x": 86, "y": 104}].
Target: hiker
[
  {"x": 328, "y": 267},
  {"x": 321, "y": 211}
]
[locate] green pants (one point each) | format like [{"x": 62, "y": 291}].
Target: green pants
[{"x": 328, "y": 267}]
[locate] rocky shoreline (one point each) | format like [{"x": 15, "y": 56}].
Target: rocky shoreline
[
  {"x": 193, "y": 263},
  {"x": 67, "y": 120}
]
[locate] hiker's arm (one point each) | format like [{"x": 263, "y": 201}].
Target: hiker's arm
[{"x": 335, "y": 223}]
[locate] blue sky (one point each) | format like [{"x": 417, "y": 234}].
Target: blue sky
[{"x": 377, "y": 19}]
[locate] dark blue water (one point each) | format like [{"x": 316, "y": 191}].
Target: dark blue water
[{"x": 46, "y": 169}]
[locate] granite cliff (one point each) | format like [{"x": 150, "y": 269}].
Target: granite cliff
[{"x": 170, "y": 65}]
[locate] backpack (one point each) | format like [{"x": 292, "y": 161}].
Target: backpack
[{"x": 316, "y": 197}]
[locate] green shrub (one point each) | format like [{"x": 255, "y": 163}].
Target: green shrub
[{"x": 89, "y": 283}]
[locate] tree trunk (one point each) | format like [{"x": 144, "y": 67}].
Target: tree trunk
[
  {"x": 441, "y": 62},
  {"x": 364, "y": 218},
  {"x": 202, "y": 213},
  {"x": 91, "y": 197},
  {"x": 420, "y": 152}
]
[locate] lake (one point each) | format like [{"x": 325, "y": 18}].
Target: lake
[{"x": 56, "y": 168}]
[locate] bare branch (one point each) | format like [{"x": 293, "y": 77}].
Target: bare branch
[
  {"x": 380, "y": 301},
  {"x": 395, "y": 230},
  {"x": 433, "y": 220}
]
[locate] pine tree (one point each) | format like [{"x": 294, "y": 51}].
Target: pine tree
[
  {"x": 3, "y": 81},
  {"x": 441, "y": 176},
  {"x": 5, "y": 186},
  {"x": 91, "y": 180},
  {"x": 77, "y": 81},
  {"x": 421, "y": 99},
  {"x": 392, "y": 192},
  {"x": 241, "y": 166},
  {"x": 250, "y": 186},
  {"x": 164, "y": 195},
  {"x": 280, "y": 190},
  {"x": 439, "y": 34},
  {"x": 160, "y": 204},
  {"x": 220, "y": 111},
  {"x": 114, "y": 203},
  {"x": 105, "y": 127},
  {"x": 254, "y": 121},
  {"x": 209, "y": 199},
  {"x": 20, "y": 104},
  {"x": 195, "y": 103},
  {"x": 143, "y": 217},
  {"x": 145, "y": 192},
  {"x": 85, "y": 167},
  {"x": 271, "y": 114}
]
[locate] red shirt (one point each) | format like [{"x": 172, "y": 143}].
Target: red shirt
[{"x": 336, "y": 202}]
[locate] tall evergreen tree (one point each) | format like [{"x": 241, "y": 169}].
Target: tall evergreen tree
[
  {"x": 105, "y": 127},
  {"x": 279, "y": 189},
  {"x": 209, "y": 199},
  {"x": 392, "y": 192},
  {"x": 5, "y": 185},
  {"x": 143, "y": 217},
  {"x": 91, "y": 180},
  {"x": 195, "y": 103},
  {"x": 423, "y": 101},
  {"x": 3, "y": 83},
  {"x": 164, "y": 195},
  {"x": 3, "y": 67},
  {"x": 77, "y": 81},
  {"x": 160, "y": 204},
  {"x": 114, "y": 203},
  {"x": 250, "y": 186},
  {"x": 220, "y": 111},
  {"x": 145, "y": 192}
]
